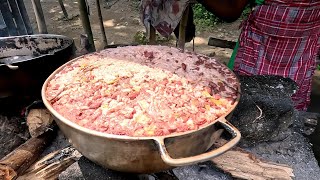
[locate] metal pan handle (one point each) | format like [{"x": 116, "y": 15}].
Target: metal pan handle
[
  {"x": 12, "y": 67},
  {"x": 201, "y": 157}
]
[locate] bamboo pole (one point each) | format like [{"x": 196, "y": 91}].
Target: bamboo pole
[
  {"x": 182, "y": 29},
  {"x": 39, "y": 16},
  {"x": 103, "y": 32},
  {"x": 86, "y": 24}
]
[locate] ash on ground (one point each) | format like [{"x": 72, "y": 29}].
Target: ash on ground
[{"x": 13, "y": 132}]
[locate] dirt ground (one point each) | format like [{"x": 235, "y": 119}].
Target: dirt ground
[{"x": 122, "y": 22}]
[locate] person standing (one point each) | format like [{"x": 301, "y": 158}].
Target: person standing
[{"x": 279, "y": 37}]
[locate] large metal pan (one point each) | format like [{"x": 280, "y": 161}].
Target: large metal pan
[
  {"x": 26, "y": 61},
  {"x": 144, "y": 154}
]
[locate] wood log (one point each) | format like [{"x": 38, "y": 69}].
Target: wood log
[
  {"x": 39, "y": 16},
  {"x": 221, "y": 43},
  {"x": 38, "y": 121},
  {"x": 16, "y": 162},
  {"x": 50, "y": 166},
  {"x": 244, "y": 165},
  {"x": 42, "y": 130}
]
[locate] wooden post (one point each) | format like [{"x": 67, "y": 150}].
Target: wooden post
[
  {"x": 103, "y": 32},
  {"x": 152, "y": 36},
  {"x": 7, "y": 17},
  {"x": 182, "y": 29},
  {"x": 25, "y": 17},
  {"x": 17, "y": 17},
  {"x": 63, "y": 9},
  {"x": 86, "y": 23},
  {"x": 3, "y": 27},
  {"x": 39, "y": 16}
]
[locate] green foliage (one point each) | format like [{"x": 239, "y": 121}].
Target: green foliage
[
  {"x": 246, "y": 12},
  {"x": 318, "y": 67},
  {"x": 135, "y": 4},
  {"x": 140, "y": 38},
  {"x": 206, "y": 20}
]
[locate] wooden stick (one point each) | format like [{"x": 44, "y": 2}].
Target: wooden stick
[
  {"x": 39, "y": 16},
  {"x": 50, "y": 166},
  {"x": 63, "y": 9},
  {"x": 38, "y": 121},
  {"x": 103, "y": 32},
  {"x": 182, "y": 29},
  {"x": 244, "y": 165},
  {"x": 86, "y": 24},
  {"x": 21, "y": 158}
]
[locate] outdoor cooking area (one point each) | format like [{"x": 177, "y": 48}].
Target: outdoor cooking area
[{"x": 80, "y": 100}]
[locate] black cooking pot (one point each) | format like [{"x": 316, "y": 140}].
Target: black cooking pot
[{"x": 26, "y": 62}]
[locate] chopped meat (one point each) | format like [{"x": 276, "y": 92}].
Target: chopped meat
[{"x": 118, "y": 91}]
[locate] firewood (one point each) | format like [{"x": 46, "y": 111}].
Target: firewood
[
  {"x": 50, "y": 166},
  {"x": 244, "y": 165},
  {"x": 38, "y": 121},
  {"x": 42, "y": 130},
  {"x": 20, "y": 159},
  {"x": 221, "y": 43}
]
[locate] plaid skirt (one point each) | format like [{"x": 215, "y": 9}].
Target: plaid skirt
[{"x": 281, "y": 38}]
